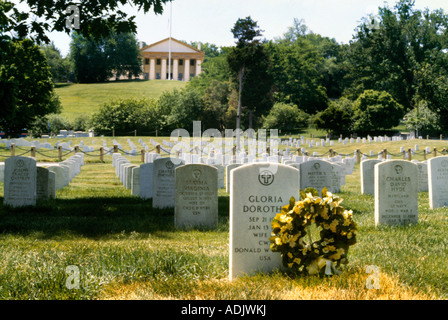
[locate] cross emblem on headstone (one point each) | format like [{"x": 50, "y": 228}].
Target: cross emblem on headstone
[{"x": 266, "y": 178}]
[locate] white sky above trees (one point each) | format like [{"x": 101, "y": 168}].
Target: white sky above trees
[{"x": 211, "y": 20}]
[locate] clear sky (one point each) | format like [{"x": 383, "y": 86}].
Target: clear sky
[{"x": 211, "y": 20}]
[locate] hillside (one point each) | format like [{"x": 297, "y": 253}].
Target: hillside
[{"x": 85, "y": 99}]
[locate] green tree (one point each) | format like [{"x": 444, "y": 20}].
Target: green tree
[
  {"x": 286, "y": 117},
  {"x": 126, "y": 115},
  {"x": 97, "y": 19},
  {"x": 214, "y": 68},
  {"x": 50, "y": 123},
  {"x": 249, "y": 63},
  {"x": 216, "y": 104},
  {"x": 99, "y": 60},
  {"x": 423, "y": 120},
  {"x": 402, "y": 51},
  {"x": 376, "y": 110},
  {"x": 26, "y": 87},
  {"x": 296, "y": 72},
  {"x": 124, "y": 53},
  {"x": 210, "y": 50},
  {"x": 177, "y": 109},
  {"x": 333, "y": 65},
  {"x": 60, "y": 67},
  {"x": 336, "y": 119}
]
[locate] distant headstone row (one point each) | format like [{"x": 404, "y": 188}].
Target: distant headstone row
[
  {"x": 315, "y": 173},
  {"x": 192, "y": 190},
  {"x": 26, "y": 181},
  {"x": 395, "y": 185}
]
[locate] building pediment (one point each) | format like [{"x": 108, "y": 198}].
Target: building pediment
[{"x": 164, "y": 46}]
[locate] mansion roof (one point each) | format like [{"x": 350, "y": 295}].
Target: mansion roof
[{"x": 177, "y": 48}]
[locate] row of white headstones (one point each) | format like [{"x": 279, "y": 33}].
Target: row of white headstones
[
  {"x": 257, "y": 193},
  {"x": 259, "y": 190},
  {"x": 26, "y": 181}
]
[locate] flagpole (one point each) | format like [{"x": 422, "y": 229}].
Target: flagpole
[{"x": 169, "y": 53}]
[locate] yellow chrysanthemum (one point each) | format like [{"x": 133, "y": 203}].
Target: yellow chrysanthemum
[
  {"x": 275, "y": 224},
  {"x": 338, "y": 254},
  {"x": 285, "y": 218},
  {"x": 324, "y": 213},
  {"x": 333, "y": 225}
]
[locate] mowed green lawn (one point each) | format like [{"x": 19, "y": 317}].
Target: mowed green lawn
[
  {"x": 84, "y": 99},
  {"x": 125, "y": 249}
]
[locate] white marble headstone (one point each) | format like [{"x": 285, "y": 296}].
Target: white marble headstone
[
  {"x": 20, "y": 181},
  {"x": 42, "y": 183},
  {"x": 228, "y": 168},
  {"x": 146, "y": 180},
  {"x": 164, "y": 182},
  {"x": 438, "y": 182},
  {"x": 396, "y": 193},
  {"x": 135, "y": 181},
  {"x": 422, "y": 176},
  {"x": 196, "y": 201},
  {"x": 257, "y": 193},
  {"x": 367, "y": 168},
  {"x": 317, "y": 174}
]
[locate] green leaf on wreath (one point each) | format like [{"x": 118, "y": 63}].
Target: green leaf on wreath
[
  {"x": 313, "y": 191},
  {"x": 292, "y": 202}
]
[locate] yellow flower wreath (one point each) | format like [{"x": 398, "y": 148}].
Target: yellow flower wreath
[{"x": 291, "y": 225}]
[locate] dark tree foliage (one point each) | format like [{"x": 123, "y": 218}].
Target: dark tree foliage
[
  {"x": 98, "y": 60},
  {"x": 402, "y": 50},
  {"x": 249, "y": 64},
  {"x": 26, "y": 86},
  {"x": 97, "y": 18}
]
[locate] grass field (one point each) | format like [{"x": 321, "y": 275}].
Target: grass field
[
  {"x": 125, "y": 249},
  {"x": 84, "y": 99}
]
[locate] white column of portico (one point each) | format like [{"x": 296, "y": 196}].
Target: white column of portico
[
  {"x": 198, "y": 67},
  {"x": 163, "y": 71},
  {"x": 187, "y": 70},
  {"x": 152, "y": 69},
  {"x": 175, "y": 69}
]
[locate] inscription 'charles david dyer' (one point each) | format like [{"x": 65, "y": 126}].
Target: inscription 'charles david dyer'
[{"x": 396, "y": 193}]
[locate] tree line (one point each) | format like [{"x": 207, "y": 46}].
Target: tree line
[{"x": 393, "y": 70}]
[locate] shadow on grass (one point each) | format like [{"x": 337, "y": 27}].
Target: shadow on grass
[
  {"x": 94, "y": 218},
  {"x": 63, "y": 84}
]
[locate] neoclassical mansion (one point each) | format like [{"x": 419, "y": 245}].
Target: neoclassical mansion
[{"x": 185, "y": 60}]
